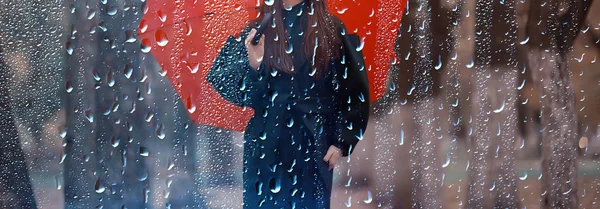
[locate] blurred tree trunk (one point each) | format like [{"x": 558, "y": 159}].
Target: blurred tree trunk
[
  {"x": 494, "y": 126},
  {"x": 15, "y": 186},
  {"x": 423, "y": 42},
  {"x": 504, "y": 96},
  {"x": 479, "y": 140},
  {"x": 552, "y": 28},
  {"x": 424, "y": 163},
  {"x": 80, "y": 180}
]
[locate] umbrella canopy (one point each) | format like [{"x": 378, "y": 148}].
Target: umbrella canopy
[{"x": 185, "y": 38}]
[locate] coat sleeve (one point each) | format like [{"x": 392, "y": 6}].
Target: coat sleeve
[
  {"x": 352, "y": 100},
  {"x": 233, "y": 78}
]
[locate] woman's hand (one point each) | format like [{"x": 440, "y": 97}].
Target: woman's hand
[
  {"x": 255, "y": 52},
  {"x": 332, "y": 156}
]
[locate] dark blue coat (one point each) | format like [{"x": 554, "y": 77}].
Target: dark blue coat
[{"x": 297, "y": 117}]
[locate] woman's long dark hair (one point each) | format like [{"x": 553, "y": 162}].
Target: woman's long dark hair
[{"x": 321, "y": 31}]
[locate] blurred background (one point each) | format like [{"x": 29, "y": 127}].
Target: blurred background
[{"x": 488, "y": 104}]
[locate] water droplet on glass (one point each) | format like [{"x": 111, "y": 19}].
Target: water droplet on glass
[
  {"x": 69, "y": 47},
  {"x": 110, "y": 78},
  {"x": 369, "y": 197},
  {"x": 439, "y": 64},
  {"x": 145, "y": 45},
  {"x": 447, "y": 161},
  {"x": 112, "y": 11},
  {"x": 259, "y": 186},
  {"x": 144, "y": 151},
  {"x": 57, "y": 182},
  {"x": 99, "y": 187},
  {"x": 275, "y": 185},
  {"x": 501, "y": 108},
  {"x": 523, "y": 42},
  {"x": 115, "y": 141},
  {"x": 161, "y": 37},
  {"x": 470, "y": 64},
  {"x": 349, "y": 202},
  {"x": 130, "y": 36},
  {"x": 128, "y": 71},
  {"x": 160, "y": 132},
  {"x": 361, "y": 45},
  {"x": 161, "y": 15},
  {"x": 524, "y": 177},
  {"x": 69, "y": 87},
  {"x": 91, "y": 13},
  {"x": 89, "y": 116}
]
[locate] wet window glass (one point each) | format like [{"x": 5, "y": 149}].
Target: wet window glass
[{"x": 299, "y": 104}]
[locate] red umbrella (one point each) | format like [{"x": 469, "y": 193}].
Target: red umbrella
[{"x": 185, "y": 37}]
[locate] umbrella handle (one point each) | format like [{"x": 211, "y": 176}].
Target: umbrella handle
[{"x": 261, "y": 28}]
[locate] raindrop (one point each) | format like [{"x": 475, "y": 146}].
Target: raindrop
[
  {"x": 128, "y": 71},
  {"x": 188, "y": 28},
  {"x": 501, "y": 108},
  {"x": 145, "y": 45},
  {"x": 290, "y": 48},
  {"x": 57, "y": 181},
  {"x": 96, "y": 75},
  {"x": 193, "y": 67},
  {"x": 170, "y": 164},
  {"x": 110, "y": 78},
  {"x": 89, "y": 116},
  {"x": 91, "y": 13},
  {"x": 149, "y": 116},
  {"x": 412, "y": 88},
  {"x": 439, "y": 65},
  {"x": 161, "y": 15},
  {"x": 349, "y": 202},
  {"x": 144, "y": 151},
  {"x": 579, "y": 59},
  {"x": 361, "y": 45},
  {"x": 69, "y": 87},
  {"x": 275, "y": 185},
  {"x": 72, "y": 8},
  {"x": 524, "y": 177},
  {"x": 99, "y": 187},
  {"x": 112, "y": 11},
  {"x": 524, "y": 41},
  {"x": 69, "y": 47},
  {"x": 161, "y": 37},
  {"x": 447, "y": 161},
  {"x": 143, "y": 26},
  {"x": 191, "y": 108},
  {"x": 369, "y": 197},
  {"x": 114, "y": 141},
  {"x": 62, "y": 131},
  {"x": 63, "y": 156},
  {"x": 144, "y": 175},
  {"x": 130, "y": 36},
  {"x": 522, "y": 85},
  {"x": 470, "y": 64},
  {"x": 259, "y": 186},
  {"x": 269, "y": 2},
  {"x": 401, "y": 137},
  {"x": 290, "y": 122},
  {"x": 159, "y": 131}
]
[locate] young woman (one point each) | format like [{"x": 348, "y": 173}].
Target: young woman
[{"x": 308, "y": 111}]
